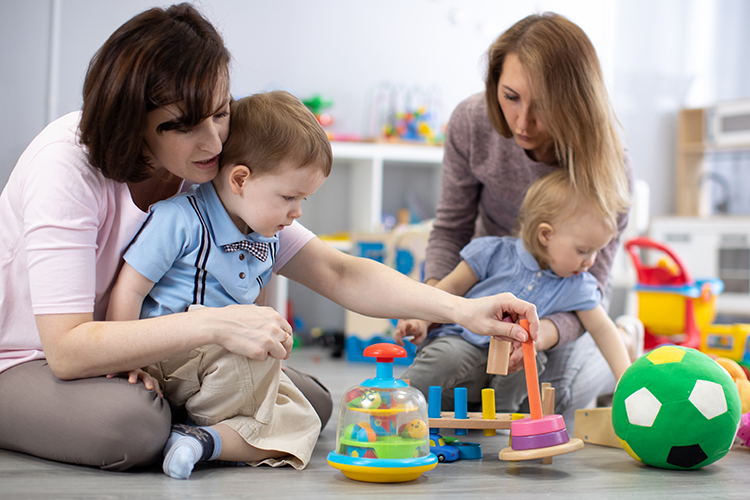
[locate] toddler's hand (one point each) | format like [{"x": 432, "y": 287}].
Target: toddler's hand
[
  {"x": 415, "y": 328},
  {"x": 134, "y": 376}
]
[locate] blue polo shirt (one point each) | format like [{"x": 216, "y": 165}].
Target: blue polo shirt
[
  {"x": 180, "y": 249},
  {"x": 502, "y": 264}
]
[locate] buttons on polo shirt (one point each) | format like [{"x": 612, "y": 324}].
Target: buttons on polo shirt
[
  {"x": 539, "y": 274},
  {"x": 530, "y": 287},
  {"x": 242, "y": 276},
  {"x": 242, "y": 256}
]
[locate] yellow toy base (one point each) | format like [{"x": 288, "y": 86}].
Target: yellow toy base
[
  {"x": 510, "y": 454},
  {"x": 382, "y": 474}
]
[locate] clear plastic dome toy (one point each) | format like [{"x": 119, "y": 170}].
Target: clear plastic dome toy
[{"x": 383, "y": 429}]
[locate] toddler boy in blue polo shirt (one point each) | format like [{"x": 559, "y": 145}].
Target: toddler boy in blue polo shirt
[{"x": 215, "y": 246}]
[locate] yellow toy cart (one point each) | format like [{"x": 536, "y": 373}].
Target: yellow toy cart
[{"x": 673, "y": 307}]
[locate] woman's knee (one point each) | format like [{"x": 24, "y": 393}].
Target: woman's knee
[
  {"x": 137, "y": 431},
  {"x": 314, "y": 391},
  {"x": 107, "y": 423}
]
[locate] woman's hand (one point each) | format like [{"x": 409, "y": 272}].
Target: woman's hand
[
  {"x": 484, "y": 316},
  {"x": 248, "y": 330},
  {"x": 416, "y": 328},
  {"x": 134, "y": 376},
  {"x": 546, "y": 339}
]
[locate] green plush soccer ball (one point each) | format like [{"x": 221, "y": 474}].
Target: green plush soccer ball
[{"x": 676, "y": 408}]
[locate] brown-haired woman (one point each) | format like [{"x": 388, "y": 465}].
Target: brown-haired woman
[
  {"x": 545, "y": 107},
  {"x": 155, "y": 114}
]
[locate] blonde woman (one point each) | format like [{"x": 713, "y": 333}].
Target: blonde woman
[{"x": 545, "y": 107}]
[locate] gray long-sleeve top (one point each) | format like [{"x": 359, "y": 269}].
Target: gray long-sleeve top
[{"x": 484, "y": 179}]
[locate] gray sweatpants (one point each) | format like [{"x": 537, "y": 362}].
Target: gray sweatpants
[
  {"x": 106, "y": 423},
  {"x": 577, "y": 371}
]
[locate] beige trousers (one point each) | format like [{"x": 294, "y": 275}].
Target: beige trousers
[{"x": 255, "y": 398}]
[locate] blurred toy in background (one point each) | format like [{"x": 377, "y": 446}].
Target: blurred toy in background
[
  {"x": 318, "y": 104},
  {"x": 673, "y": 307},
  {"x": 730, "y": 342},
  {"x": 740, "y": 377},
  {"x": 411, "y": 126},
  {"x": 743, "y": 433},
  {"x": 410, "y": 115},
  {"x": 332, "y": 339}
]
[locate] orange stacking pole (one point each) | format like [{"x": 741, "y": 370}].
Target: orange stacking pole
[{"x": 532, "y": 377}]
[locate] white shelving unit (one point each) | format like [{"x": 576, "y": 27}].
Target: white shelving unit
[
  {"x": 713, "y": 247},
  {"x": 368, "y": 163},
  {"x": 367, "y": 181}
]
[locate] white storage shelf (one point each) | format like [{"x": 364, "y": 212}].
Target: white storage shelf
[
  {"x": 712, "y": 247},
  {"x": 367, "y": 181},
  {"x": 359, "y": 179}
]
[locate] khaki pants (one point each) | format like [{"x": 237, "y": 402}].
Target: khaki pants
[{"x": 255, "y": 398}]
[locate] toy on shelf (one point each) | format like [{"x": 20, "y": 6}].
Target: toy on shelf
[
  {"x": 541, "y": 436},
  {"x": 676, "y": 408},
  {"x": 670, "y": 302},
  {"x": 400, "y": 114},
  {"x": 318, "y": 104},
  {"x": 382, "y": 433},
  {"x": 411, "y": 126}
]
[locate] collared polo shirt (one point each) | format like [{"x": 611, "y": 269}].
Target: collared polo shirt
[
  {"x": 179, "y": 248},
  {"x": 502, "y": 264}
]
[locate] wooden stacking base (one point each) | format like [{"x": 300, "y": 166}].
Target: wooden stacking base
[
  {"x": 476, "y": 420},
  {"x": 448, "y": 420},
  {"x": 509, "y": 454}
]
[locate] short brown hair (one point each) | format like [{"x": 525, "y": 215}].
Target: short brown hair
[
  {"x": 157, "y": 58},
  {"x": 568, "y": 90},
  {"x": 267, "y": 128},
  {"x": 553, "y": 199}
]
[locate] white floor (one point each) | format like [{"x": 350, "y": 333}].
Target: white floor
[{"x": 596, "y": 472}]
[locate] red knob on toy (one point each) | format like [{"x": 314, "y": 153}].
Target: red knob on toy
[{"x": 385, "y": 352}]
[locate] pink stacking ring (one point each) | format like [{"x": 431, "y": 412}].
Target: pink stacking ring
[{"x": 531, "y": 427}]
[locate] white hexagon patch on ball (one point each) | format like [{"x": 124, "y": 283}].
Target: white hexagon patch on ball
[
  {"x": 642, "y": 408},
  {"x": 708, "y": 398}
]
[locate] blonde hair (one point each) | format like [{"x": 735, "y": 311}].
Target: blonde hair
[
  {"x": 571, "y": 99},
  {"x": 267, "y": 128},
  {"x": 554, "y": 199}
]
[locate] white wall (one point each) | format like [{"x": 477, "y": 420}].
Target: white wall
[
  {"x": 658, "y": 55},
  {"x": 24, "y": 47}
]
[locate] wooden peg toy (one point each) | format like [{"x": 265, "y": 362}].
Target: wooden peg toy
[{"x": 541, "y": 436}]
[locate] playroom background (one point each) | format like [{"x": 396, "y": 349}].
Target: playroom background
[{"x": 384, "y": 77}]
